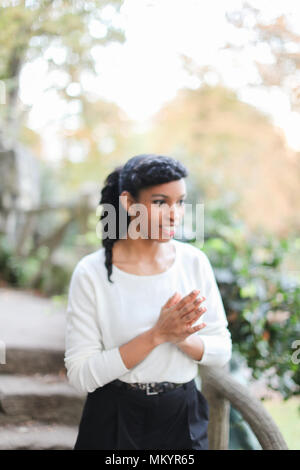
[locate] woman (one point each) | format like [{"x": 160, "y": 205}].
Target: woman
[{"x": 135, "y": 332}]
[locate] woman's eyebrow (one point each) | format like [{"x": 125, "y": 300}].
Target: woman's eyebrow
[{"x": 164, "y": 195}]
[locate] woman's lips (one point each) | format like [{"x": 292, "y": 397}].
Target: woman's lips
[{"x": 168, "y": 230}]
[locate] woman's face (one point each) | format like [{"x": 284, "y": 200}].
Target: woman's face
[{"x": 162, "y": 210}]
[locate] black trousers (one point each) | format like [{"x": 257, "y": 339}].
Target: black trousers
[{"x": 117, "y": 419}]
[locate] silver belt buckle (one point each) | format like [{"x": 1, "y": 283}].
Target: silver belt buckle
[{"x": 148, "y": 391}]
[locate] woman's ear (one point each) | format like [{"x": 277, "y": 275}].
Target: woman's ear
[
  {"x": 126, "y": 201},
  {"x": 130, "y": 211}
]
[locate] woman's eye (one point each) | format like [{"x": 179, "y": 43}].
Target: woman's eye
[{"x": 160, "y": 202}]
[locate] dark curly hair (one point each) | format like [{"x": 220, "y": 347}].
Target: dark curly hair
[{"x": 138, "y": 172}]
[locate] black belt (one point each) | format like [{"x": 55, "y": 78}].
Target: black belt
[{"x": 150, "y": 388}]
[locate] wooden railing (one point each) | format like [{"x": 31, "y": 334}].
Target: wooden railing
[{"x": 220, "y": 390}]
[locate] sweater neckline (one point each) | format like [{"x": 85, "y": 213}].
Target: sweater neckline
[{"x": 168, "y": 271}]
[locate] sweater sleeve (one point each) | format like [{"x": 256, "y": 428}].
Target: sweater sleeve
[
  {"x": 215, "y": 335},
  {"x": 88, "y": 364}
]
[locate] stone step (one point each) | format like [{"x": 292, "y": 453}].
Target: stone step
[
  {"x": 32, "y": 333},
  {"x": 33, "y": 360},
  {"x": 45, "y": 398},
  {"x": 37, "y": 436}
]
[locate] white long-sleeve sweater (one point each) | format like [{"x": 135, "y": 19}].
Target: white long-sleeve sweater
[{"x": 102, "y": 316}]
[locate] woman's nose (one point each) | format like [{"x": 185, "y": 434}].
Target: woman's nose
[{"x": 174, "y": 215}]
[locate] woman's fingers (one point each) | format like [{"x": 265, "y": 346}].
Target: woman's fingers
[
  {"x": 193, "y": 329},
  {"x": 188, "y": 298},
  {"x": 173, "y": 300},
  {"x": 192, "y": 317},
  {"x": 177, "y": 298},
  {"x": 191, "y": 306},
  {"x": 169, "y": 301}
]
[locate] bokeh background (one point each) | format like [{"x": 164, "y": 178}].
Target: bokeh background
[{"x": 85, "y": 85}]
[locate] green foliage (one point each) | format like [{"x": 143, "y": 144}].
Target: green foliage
[
  {"x": 20, "y": 272},
  {"x": 53, "y": 276},
  {"x": 259, "y": 282},
  {"x": 63, "y": 32},
  {"x": 27, "y": 31},
  {"x": 10, "y": 269}
]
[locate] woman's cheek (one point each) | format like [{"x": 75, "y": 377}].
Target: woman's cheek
[
  {"x": 155, "y": 217},
  {"x": 181, "y": 212}
]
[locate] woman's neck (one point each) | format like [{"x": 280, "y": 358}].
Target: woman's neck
[{"x": 142, "y": 256}]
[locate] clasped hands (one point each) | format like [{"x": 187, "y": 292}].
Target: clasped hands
[{"x": 192, "y": 298}]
